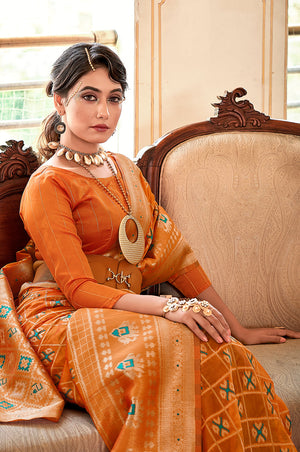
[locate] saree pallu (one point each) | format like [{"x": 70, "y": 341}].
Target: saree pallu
[{"x": 149, "y": 384}]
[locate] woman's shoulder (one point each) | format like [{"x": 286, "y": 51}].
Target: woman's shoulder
[
  {"x": 43, "y": 174},
  {"x": 54, "y": 173},
  {"x": 50, "y": 178},
  {"x": 124, "y": 161}
]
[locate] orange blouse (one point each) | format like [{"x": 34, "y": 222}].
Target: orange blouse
[{"x": 69, "y": 216}]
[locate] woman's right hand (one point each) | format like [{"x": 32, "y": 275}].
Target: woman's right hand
[
  {"x": 214, "y": 325},
  {"x": 200, "y": 324}
]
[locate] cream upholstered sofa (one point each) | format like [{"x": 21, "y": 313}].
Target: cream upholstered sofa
[{"x": 232, "y": 186}]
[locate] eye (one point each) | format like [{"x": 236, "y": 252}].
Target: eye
[
  {"x": 89, "y": 97},
  {"x": 115, "y": 99}
]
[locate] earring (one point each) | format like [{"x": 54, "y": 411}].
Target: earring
[{"x": 60, "y": 127}]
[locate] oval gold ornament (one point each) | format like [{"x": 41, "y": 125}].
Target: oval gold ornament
[
  {"x": 207, "y": 312},
  {"x": 98, "y": 160},
  {"x": 69, "y": 155},
  {"x": 133, "y": 251},
  {"x": 53, "y": 145},
  {"x": 87, "y": 160},
  {"x": 77, "y": 157},
  {"x": 60, "y": 152}
]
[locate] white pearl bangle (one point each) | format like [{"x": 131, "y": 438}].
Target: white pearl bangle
[{"x": 174, "y": 303}]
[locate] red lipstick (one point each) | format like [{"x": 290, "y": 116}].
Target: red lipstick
[{"x": 100, "y": 127}]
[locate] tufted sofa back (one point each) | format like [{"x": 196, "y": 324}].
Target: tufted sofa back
[
  {"x": 234, "y": 193},
  {"x": 235, "y": 197}
]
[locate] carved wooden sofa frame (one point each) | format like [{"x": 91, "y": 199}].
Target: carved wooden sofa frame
[{"x": 234, "y": 116}]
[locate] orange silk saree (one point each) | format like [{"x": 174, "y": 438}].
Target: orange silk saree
[{"x": 149, "y": 384}]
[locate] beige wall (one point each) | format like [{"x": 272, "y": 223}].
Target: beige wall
[{"x": 190, "y": 51}]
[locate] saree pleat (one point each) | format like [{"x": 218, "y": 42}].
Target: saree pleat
[
  {"x": 26, "y": 391},
  {"x": 150, "y": 385}
]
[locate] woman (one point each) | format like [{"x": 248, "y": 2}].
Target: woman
[{"x": 155, "y": 373}]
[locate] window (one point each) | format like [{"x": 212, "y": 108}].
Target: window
[
  {"x": 293, "y": 76},
  {"x": 25, "y": 70}
]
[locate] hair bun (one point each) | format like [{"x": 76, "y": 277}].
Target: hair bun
[{"x": 49, "y": 88}]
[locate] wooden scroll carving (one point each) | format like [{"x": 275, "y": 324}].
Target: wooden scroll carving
[
  {"x": 16, "y": 166},
  {"x": 233, "y": 113},
  {"x": 15, "y": 161}
]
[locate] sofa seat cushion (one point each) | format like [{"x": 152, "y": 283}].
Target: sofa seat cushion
[
  {"x": 74, "y": 432},
  {"x": 281, "y": 361}
]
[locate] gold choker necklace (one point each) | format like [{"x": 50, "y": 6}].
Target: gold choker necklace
[
  {"x": 132, "y": 251},
  {"x": 97, "y": 158}
]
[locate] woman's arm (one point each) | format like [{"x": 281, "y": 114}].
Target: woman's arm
[
  {"x": 247, "y": 336},
  {"x": 215, "y": 325},
  {"x": 220, "y": 325}
]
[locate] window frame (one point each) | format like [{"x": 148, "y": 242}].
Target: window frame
[{"x": 106, "y": 37}]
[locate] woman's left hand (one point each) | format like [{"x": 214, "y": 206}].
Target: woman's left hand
[
  {"x": 251, "y": 336},
  {"x": 248, "y": 336}
]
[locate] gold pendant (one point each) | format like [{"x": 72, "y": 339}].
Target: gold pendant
[{"x": 133, "y": 251}]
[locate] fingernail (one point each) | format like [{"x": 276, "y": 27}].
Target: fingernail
[
  {"x": 219, "y": 340},
  {"x": 282, "y": 339}
]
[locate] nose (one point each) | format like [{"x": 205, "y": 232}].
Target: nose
[{"x": 102, "y": 109}]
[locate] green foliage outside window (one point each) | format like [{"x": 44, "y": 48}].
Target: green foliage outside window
[{"x": 24, "y": 104}]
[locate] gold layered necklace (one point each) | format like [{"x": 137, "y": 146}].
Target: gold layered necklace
[{"x": 132, "y": 251}]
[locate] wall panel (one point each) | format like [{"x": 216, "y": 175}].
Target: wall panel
[{"x": 190, "y": 51}]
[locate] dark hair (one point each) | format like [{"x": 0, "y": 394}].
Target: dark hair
[{"x": 66, "y": 71}]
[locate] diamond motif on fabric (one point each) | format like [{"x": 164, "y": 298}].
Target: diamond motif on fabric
[
  {"x": 269, "y": 390},
  {"x": 24, "y": 363},
  {"x": 227, "y": 357},
  {"x": 227, "y": 390},
  {"x": 5, "y": 405},
  {"x": 288, "y": 422},
  {"x": 260, "y": 432},
  {"x": 249, "y": 380},
  {"x": 4, "y": 311},
  {"x": 221, "y": 426}
]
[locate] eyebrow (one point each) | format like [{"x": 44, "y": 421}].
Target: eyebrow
[{"x": 92, "y": 88}]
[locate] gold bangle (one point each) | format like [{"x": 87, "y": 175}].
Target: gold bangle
[{"x": 174, "y": 303}]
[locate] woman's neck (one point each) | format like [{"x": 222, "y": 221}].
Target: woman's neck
[
  {"x": 98, "y": 171},
  {"x": 82, "y": 147}
]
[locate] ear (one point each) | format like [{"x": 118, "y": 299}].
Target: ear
[{"x": 59, "y": 104}]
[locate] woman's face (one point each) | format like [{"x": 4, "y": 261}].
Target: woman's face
[{"x": 91, "y": 110}]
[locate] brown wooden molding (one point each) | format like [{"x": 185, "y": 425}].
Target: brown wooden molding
[
  {"x": 16, "y": 161},
  {"x": 234, "y": 114}
]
